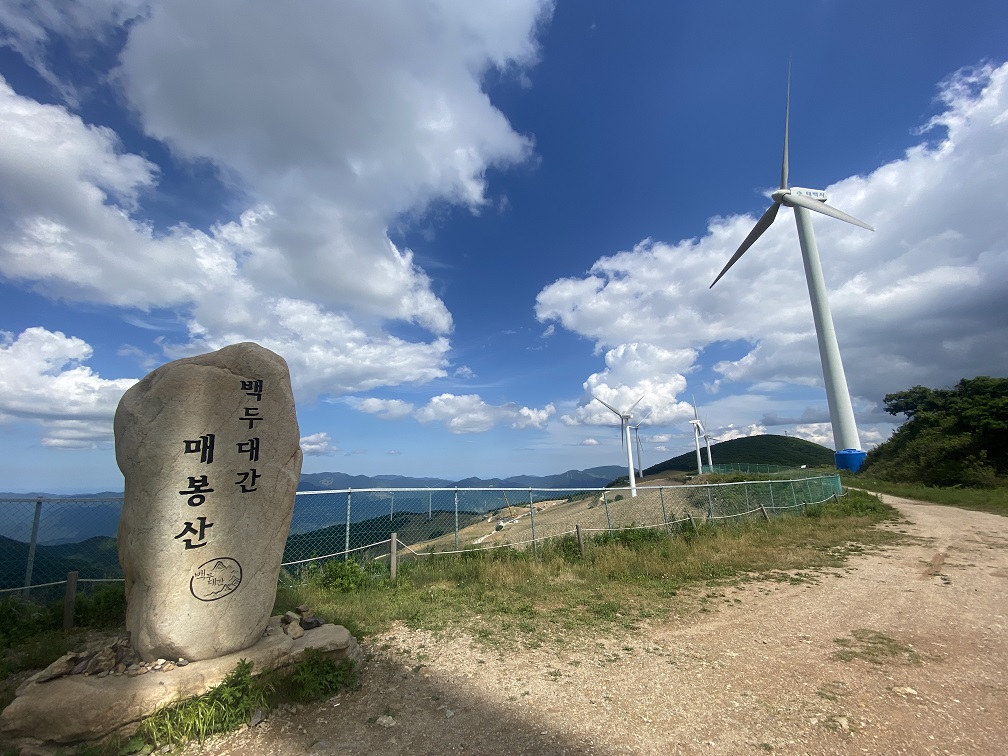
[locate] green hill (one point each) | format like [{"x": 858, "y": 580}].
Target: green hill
[{"x": 785, "y": 451}]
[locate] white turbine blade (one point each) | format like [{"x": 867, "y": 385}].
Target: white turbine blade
[
  {"x": 635, "y": 404},
  {"x": 761, "y": 225},
  {"x": 822, "y": 207},
  {"x": 607, "y": 405},
  {"x": 640, "y": 462},
  {"x": 787, "y": 118}
]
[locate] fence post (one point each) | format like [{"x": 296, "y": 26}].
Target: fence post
[
  {"x": 391, "y": 507},
  {"x": 532, "y": 521},
  {"x": 456, "y": 518},
  {"x": 772, "y": 505},
  {"x": 393, "y": 551},
  {"x": 346, "y": 540},
  {"x": 31, "y": 548},
  {"x": 605, "y": 501},
  {"x": 580, "y": 538},
  {"x": 710, "y": 504},
  {"x": 664, "y": 514},
  {"x": 69, "y": 600}
]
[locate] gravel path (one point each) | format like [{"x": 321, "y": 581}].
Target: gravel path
[{"x": 921, "y": 667}]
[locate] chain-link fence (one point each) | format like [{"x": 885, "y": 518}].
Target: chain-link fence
[
  {"x": 754, "y": 467},
  {"x": 45, "y": 539}
]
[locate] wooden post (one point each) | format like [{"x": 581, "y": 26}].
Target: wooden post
[
  {"x": 580, "y": 538},
  {"x": 69, "y": 600},
  {"x": 393, "y": 554},
  {"x": 765, "y": 513}
]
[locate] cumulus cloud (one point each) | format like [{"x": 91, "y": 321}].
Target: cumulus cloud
[
  {"x": 912, "y": 303},
  {"x": 325, "y": 123},
  {"x": 43, "y": 379},
  {"x": 468, "y": 413},
  {"x": 317, "y": 445},
  {"x": 634, "y": 371}
]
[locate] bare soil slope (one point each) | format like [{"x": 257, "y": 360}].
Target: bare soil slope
[{"x": 903, "y": 651}]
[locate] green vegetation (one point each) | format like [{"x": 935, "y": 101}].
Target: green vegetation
[
  {"x": 993, "y": 500},
  {"x": 513, "y": 597},
  {"x": 240, "y": 697},
  {"x": 784, "y": 451},
  {"x": 32, "y": 636},
  {"x": 507, "y": 597},
  {"x": 876, "y": 648},
  {"x": 952, "y": 437}
]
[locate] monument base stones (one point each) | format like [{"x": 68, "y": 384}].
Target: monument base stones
[
  {"x": 210, "y": 450},
  {"x": 56, "y": 707}
]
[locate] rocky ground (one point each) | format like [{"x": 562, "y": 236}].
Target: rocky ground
[{"x": 904, "y": 650}]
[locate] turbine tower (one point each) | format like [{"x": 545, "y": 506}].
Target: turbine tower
[
  {"x": 845, "y": 434},
  {"x": 625, "y": 436}
]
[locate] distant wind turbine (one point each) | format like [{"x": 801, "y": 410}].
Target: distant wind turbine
[
  {"x": 697, "y": 430},
  {"x": 707, "y": 438},
  {"x": 625, "y": 436},
  {"x": 845, "y": 434},
  {"x": 636, "y": 430}
]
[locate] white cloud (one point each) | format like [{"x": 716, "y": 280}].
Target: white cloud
[
  {"x": 912, "y": 303},
  {"x": 528, "y": 417},
  {"x": 633, "y": 371},
  {"x": 590, "y": 442},
  {"x": 332, "y": 122},
  {"x": 468, "y": 413},
  {"x": 317, "y": 445},
  {"x": 386, "y": 409},
  {"x": 43, "y": 380}
]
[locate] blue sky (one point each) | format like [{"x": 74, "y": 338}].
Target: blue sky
[{"x": 456, "y": 221}]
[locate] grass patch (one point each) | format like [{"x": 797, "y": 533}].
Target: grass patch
[
  {"x": 237, "y": 700},
  {"x": 510, "y": 597},
  {"x": 876, "y": 648},
  {"x": 992, "y": 500}
]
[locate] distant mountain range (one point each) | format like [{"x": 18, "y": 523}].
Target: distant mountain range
[{"x": 595, "y": 477}]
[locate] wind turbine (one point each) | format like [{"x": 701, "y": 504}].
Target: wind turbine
[
  {"x": 845, "y": 434},
  {"x": 707, "y": 437},
  {"x": 636, "y": 430},
  {"x": 625, "y": 435},
  {"x": 697, "y": 429}
]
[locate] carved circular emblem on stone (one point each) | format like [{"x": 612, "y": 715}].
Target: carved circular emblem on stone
[{"x": 216, "y": 579}]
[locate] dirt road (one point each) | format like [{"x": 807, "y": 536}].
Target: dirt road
[{"x": 902, "y": 651}]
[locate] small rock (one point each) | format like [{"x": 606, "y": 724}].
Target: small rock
[
  {"x": 294, "y": 630},
  {"x": 290, "y": 617},
  {"x": 385, "y": 721},
  {"x": 305, "y": 611},
  {"x": 844, "y": 725},
  {"x": 257, "y": 717},
  {"x": 182, "y": 662},
  {"x": 449, "y": 713},
  {"x": 168, "y": 667},
  {"x": 312, "y": 622},
  {"x": 80, "y": 666},
  {"x": 62, "y": 666},
  {"x": 905, "y": 691}
]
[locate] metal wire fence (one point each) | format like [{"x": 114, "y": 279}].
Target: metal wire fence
[{"x": 42, "y": 540}]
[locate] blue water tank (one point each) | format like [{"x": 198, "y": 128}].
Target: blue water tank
[{"x": 850, "y": 459}]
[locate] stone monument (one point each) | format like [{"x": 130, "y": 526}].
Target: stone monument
[{"x": 209, "y": 447}]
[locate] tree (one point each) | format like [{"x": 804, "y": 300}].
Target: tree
[{"x": 956, "y": 436}]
